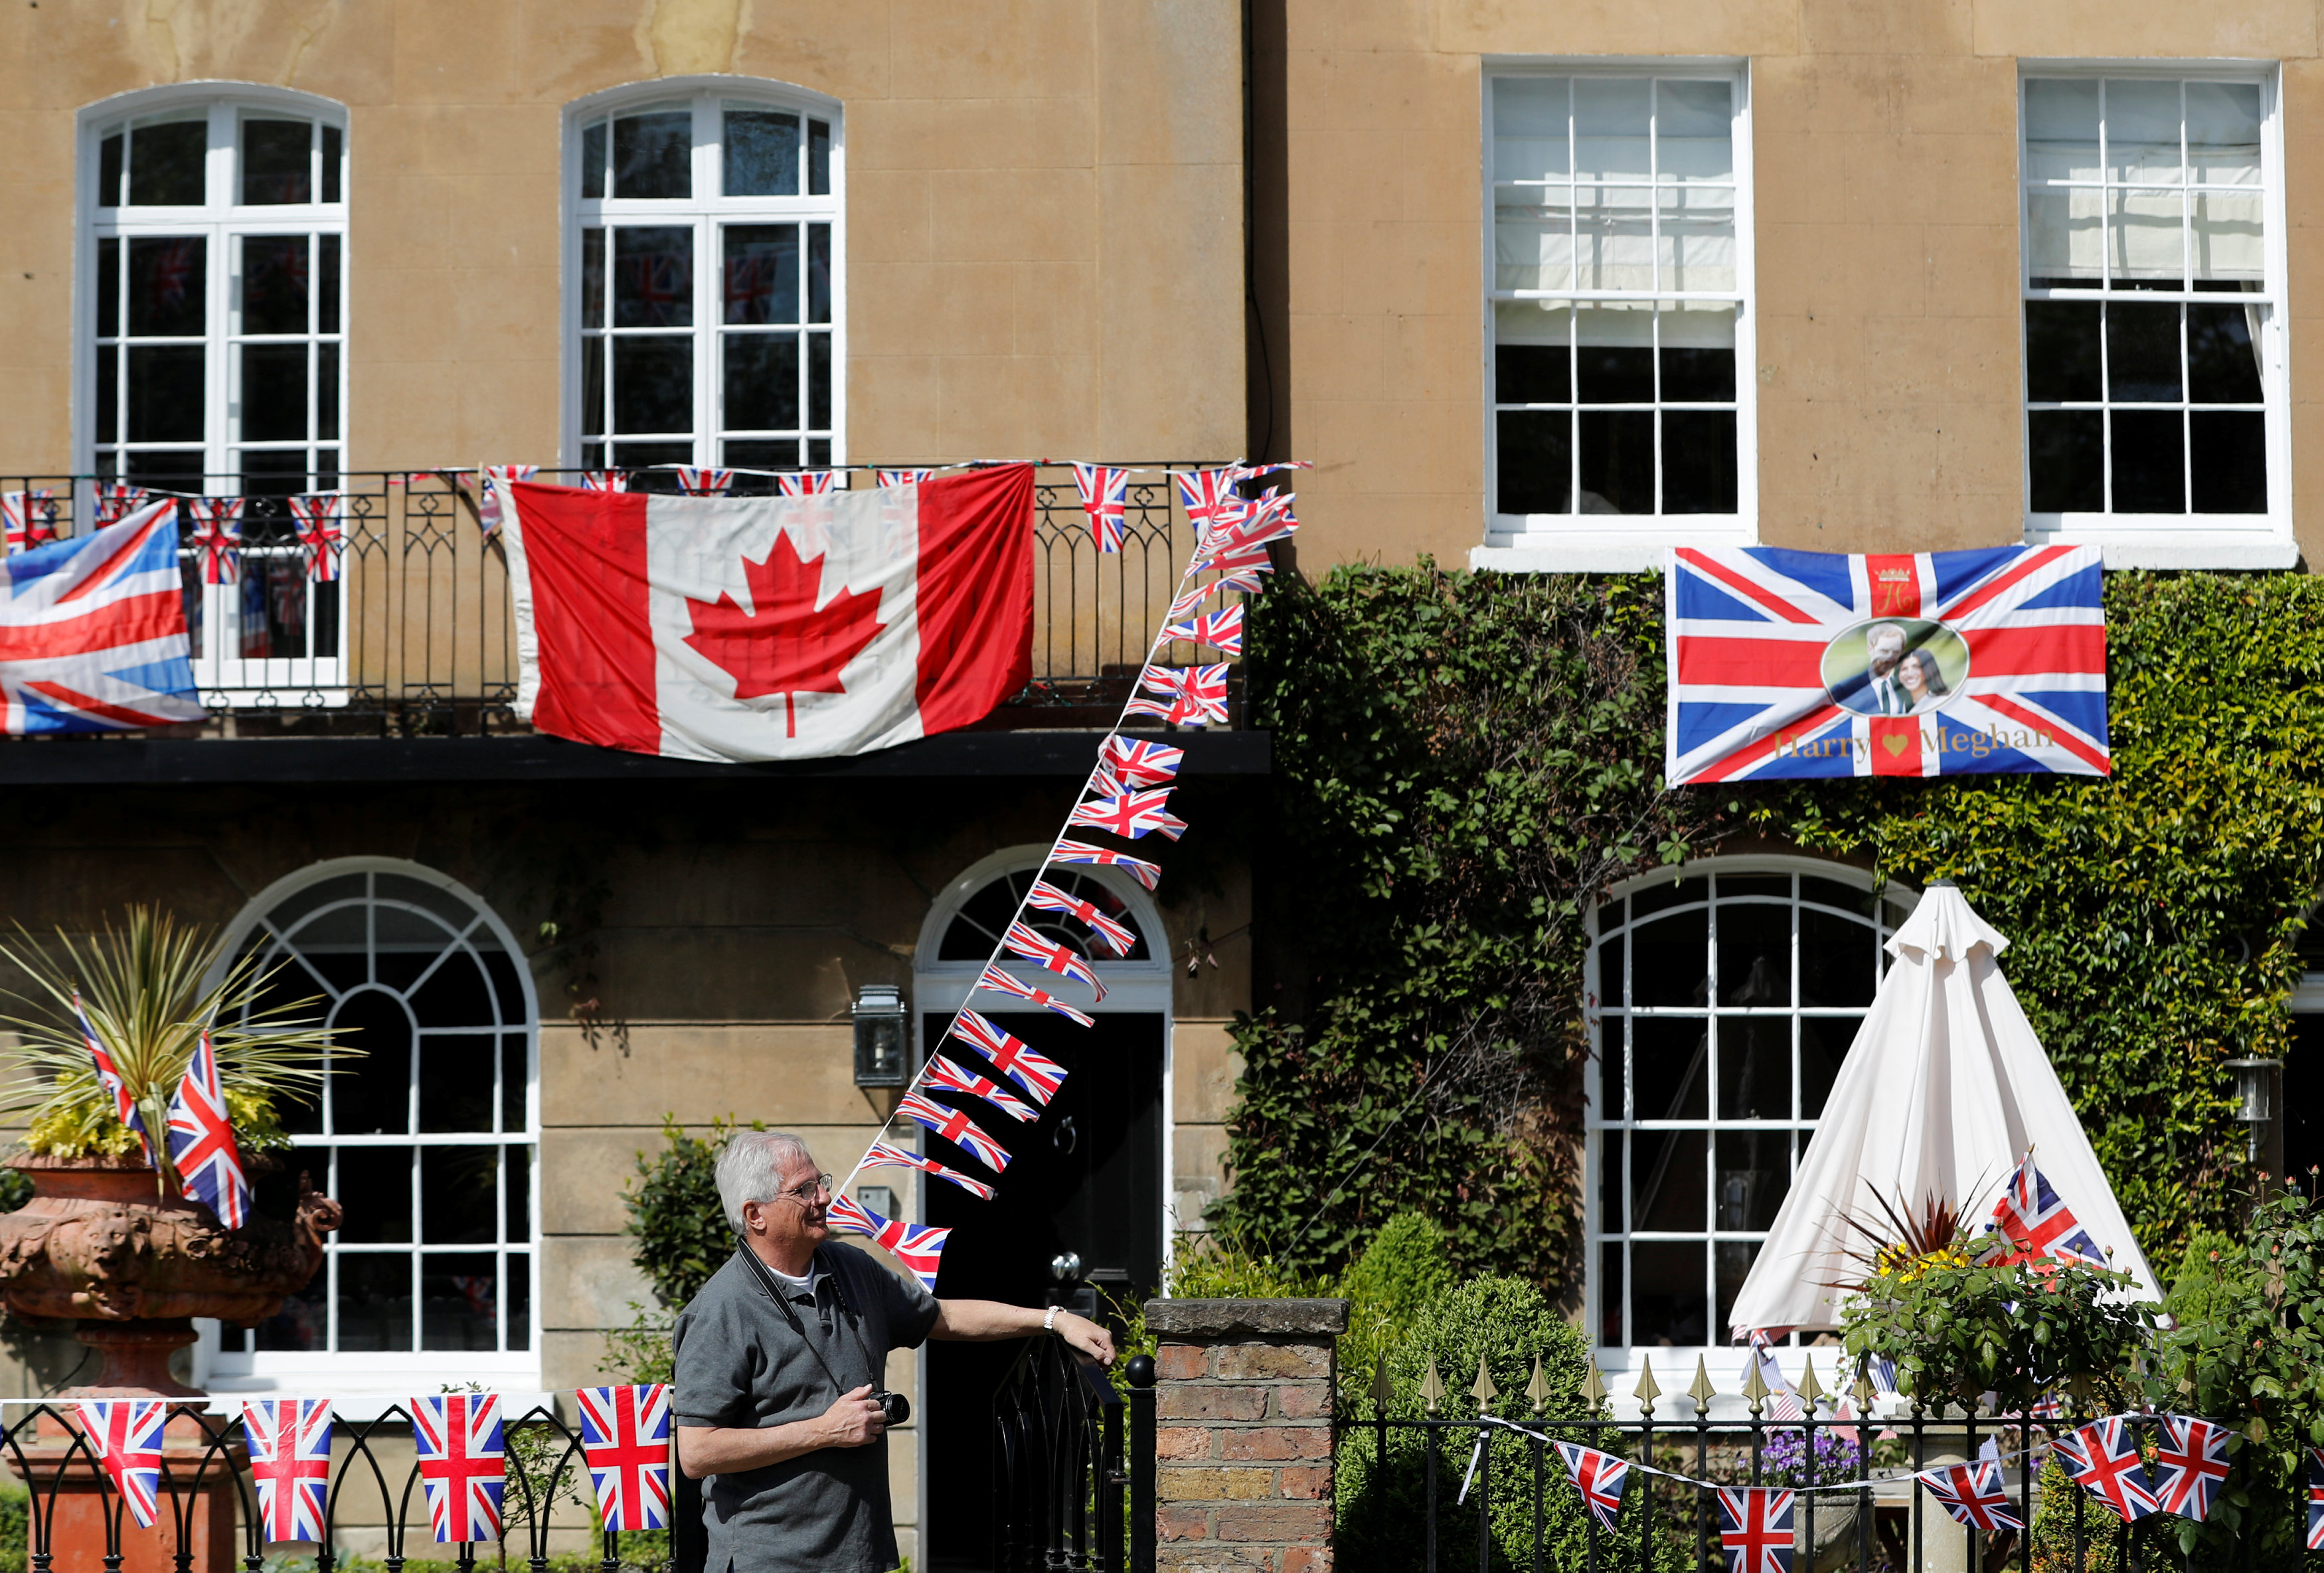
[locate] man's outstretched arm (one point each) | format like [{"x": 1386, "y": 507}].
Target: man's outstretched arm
[
  {"x": 852, "y": 1422},
  {"x": 983, "y": 1320}
]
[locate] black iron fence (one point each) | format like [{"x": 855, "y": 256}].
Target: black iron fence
[
  {"x": 399, "y": 621},
  {"x": 1072, "y": 1465}
]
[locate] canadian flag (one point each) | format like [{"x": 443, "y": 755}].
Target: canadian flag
[{"x": 770, "y": 628}]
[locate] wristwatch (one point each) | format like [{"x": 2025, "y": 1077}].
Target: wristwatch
[{"x": 1050, "y": 1322}]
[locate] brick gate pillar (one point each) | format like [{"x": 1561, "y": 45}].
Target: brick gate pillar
[{"x": 1243, "y": 1438}]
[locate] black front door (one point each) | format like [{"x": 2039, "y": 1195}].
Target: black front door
[{"x": 1087, "y": 1179}]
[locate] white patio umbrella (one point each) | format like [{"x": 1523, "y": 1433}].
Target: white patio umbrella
[{"x": 1942, "y": 1092}]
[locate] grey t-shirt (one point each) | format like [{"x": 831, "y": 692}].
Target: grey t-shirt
[{"x": 740, "y": 1364}]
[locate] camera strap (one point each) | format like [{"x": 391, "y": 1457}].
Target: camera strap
[{"x": 783, "y": 1303}]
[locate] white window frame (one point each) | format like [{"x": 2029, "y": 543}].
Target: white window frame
[
  {"x": 1609, "y": 1062},
  {"x": 1598, "y": 543},
  {"x": 221, "y": 671},
  {"x": 396, "y": 1374},
  {"x": 2180, "y": 540},
  {"x": 705, "y": 213}
]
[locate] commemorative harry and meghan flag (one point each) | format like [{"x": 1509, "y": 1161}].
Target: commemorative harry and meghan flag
[{"x": 1787, "y": 665}]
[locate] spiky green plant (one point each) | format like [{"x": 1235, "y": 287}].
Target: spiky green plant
[{"x": 142, "y": 986}]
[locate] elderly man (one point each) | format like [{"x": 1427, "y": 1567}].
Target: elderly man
[{"x": 776, "y": 1361}]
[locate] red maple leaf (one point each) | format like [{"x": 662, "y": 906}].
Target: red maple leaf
[{"x": 785, "y": 646}]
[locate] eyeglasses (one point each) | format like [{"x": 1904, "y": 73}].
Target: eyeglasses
[{"x": 805, "y": 1195}]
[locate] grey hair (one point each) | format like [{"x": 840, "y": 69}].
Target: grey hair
[{"x": 751, "y": 1167}]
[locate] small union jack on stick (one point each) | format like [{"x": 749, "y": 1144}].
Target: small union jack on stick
[
  {"x": 1023, "y": 940},
  {"x": 1221, "y": 631},
  {"x": 1132, "y": 815},
  {"x": 1115, "y": 936},
  {"x": 1135, "y": 762},
  {"x": 124, "y": 1107},
  {"x": 1145, "y": 873},
  {"x": 921, "y": 1250},
  {"x": 201, "y": 1140}
]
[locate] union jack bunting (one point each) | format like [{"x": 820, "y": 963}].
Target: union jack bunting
[
  {"x": 696, "y": 482},
  {"x": 1755, "y": 1529},
  {"x": 1147, "y": 874},
  {"x": 851, "y": 1216},
  {"x": 124, "y": 1107},
  {"x": 955, "y": 1127},
  {"x": 201, "y": 1140},
  {"x": 921, "y": 1250},
  {"x": 1222, "y": 631},
  {"x": 901, "y": 477},
  {"x": 1264, "y": 522},
  {"x": 218, "y": 537},
  {"x": 1025, "y": 941},
  {"x": 1791, "y": 664},
  {"x": 1973, "y": 1493},
  {"x": 488, "y": 497},
  {"x": 1238, "y": 567},
  {"x": 1131, "y": 814},
  {"x": 1244, "y": 577},
  {"x": 1186, "y": 603},
  {"x": 1267, "y": 467},
  {"x": 804, "y": 482},
  {"x": 604, "y": 480},
  {"x": 625, "y": 1442},
  {"x": 881, "y": 1155},
  {"x": 1202, "y": 688},
  {"x": 1783, "y": 1402},
  {"x": 1105, "y": 496},
  {"x": 1116, "y": 937},
  {"x": 28, "y": 518},
  {"x": 127, "y": 1435},
  {"x": 1202, "y": 493},
  {"x": 463, "y": 1461},
  {"x": 2316, "y": 1499},
  {"x": 1600, "y": 1477},
  {"x": 2035, "y": 1221},
  {"x": 942, "y": 1073},
  {"x": 314, "y": 520},
  {"x": 994, "y": 980},
  {"x": 116, "y": 500},
  {"x": 291, "y": 1463},
  {"x": 1135, "y": 762},
  {"x": 2192, "y": 1461},
  {"x": 2102, "y": 1457},
  {"x": 1039, "y": 1076}
]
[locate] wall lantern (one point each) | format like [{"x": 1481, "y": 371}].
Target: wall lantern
[
  {"x": 2259, "y": 1096},
  {"x": 879, "y": 1012}
]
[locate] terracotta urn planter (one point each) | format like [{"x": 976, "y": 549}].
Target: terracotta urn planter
[{"x": 99, "y": 1246}]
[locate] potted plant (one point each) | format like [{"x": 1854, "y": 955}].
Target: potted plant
[{"x": 109, "y": 1240}]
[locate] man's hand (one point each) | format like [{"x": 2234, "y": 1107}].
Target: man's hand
[
  {"x": 1092, "y": 1342},
  {"x": 853, "y": 1420}
]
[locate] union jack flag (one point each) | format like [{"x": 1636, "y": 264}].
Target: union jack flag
[
  {"x": 28, "y": 518},
  {"x": 1203, "y": 690},
  {"x": 625, "y": 1442},
  {"x": 2316, "y": 1499},
  {"x": 1132, "y": 815},
  {"x": 1755, "y": 1529},
  {"x": 463, "y": 1461},
  {"x": 290, "y": 1461},
  {"x": 1244, "y": 577},
  {"x": 881, "y": 1155},
  {"x": 2035, "y": 1221},
  {"x": 218, "y": 537},
  {"x": 1039, "y": 1076},
  {"x": 1600, "y": 1477},
  {"x": 604, "y": 480},
  {"x": 1237, "y": 569},
  {"x": 994, "y": 980},
  {"x": 1105, "y": 496},
  {"x": 127, "y": 1435},
  {"x": 315, "y": 521},
  {"x": 701, "y": 483},
  {"x": 125, "y": 1107},
  {"x": 1783, "y": 1402},
  {"x": 902, "y": 477},
  {"x": 955, "y": 1127},
  {"x": 118, "y": 500},
  {"x": 1186, "y": 603},
  {"x": 804, "y": 484},
  {"x": 1267, "y": 467},
  {"x": 93, "y": 632},
  {"x": 1222, "y": 631},
  {"x": 2102, "y": 1457},
  {"x": 201, "y": 1140},
  {"x": 1061, "y": 958},
  {"x": 1135, "y": 762},
  {"x": 1973, "y": 1493},
  {"x": 1048, "y": 898},
  {"x": 2193, "y": 1459},
  {"x": 1260, "y": 524},
  {"x": 942, "y": 1073},
  {"x": 918, "y": 1250},
  {"x": 1145, "y": 873},
  {"x": 1805, "y": 664},
  {"x": 488, "y": 496},
  {"x": 1202, "y": 493}
]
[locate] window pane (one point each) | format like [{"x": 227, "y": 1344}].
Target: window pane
[
  {"x": 327, "y": 284},
  {"x": 379, "y": 1180},
  {"x": 1666, "y": 1297},
  {"x": 1669, "y": 1065},
  {"x": 334, "y": 155},
  {"x": 762, "y": 381},
  {"x": 1755, "y": 954},
  {"x": 761, "y": 153},
  {"x": 2223, "y": 121},
  {"x": 1615, "y": 361},
  {"x": 303, "y": 1325},
  {"x": 2063, "y": 238},
  {"x": 1618, "y": 462},
  {"x": 166, "y": 163},
  {"x": 1533, "y": 238},
  {"x": 512, "y": 1080},
  {"x": 593, "y": 160},
  {"x": 108, "y": 171},
  {"x": 108, "y": 287},
  {"x": 276, "y": 161},
  {"x": 2228, "y": 236},
  {"x": 818, "y": 380},
  {"x": 373, "y": 1095},
  {"x": 1734, "y": 1259},
  {"x": 516, "y": 1182},
  {"x": 108, "y": 394},
  {"x": 2229, "y": 458},
  {"x": 1613, "y": 238},
  {"x": 1695, "y": 126},
  {"x": 593, "y": 388},
  {"x": 1755, "y": 1068},
  {"x": 327, "y": 390},
  {"x": 2149, "y": 476},
  {"x": 1612, "y": 1300},
  {"x": 1699, "y": 461},
  {"x": 761, "y": 281},
  {"x": 818, "y": 272},
  {"x": 169, "y": 469},
  {"x": 459, "y": 1301},
  {"x": 459, "y": 1196},
  {"x": 2061, "y": 351},
  {"x": 169, "y": 286},
  {"x": 653, "y": 384},
  {"x": 165, "y": 393},
  {"x": 1529, "y": 129},
  {"x": 2142, "y": 353},
  {"x": 1612, "y": 117},
  {"x": 641, "y": 455},
  {"x": 1671, "y": 963},
  {"x": 455, "y": 1081},
  {"x": 760, "y": 454},
  {"x": 653, "y": 154},
  {"x": 1835, "y": 961},
  {"x": 818, "y": 451},
  {"x": 518, "y": 1287},
  {"x": 653, "y": 277},
  {"x": 2142, "y": 132},
  {"x": 275, "y": 283},
  {"x": 1697, "y": 250},
  {"x": 1695, "y": 351},
  {"x": 2066, "y": 455},
  {"x": 1666, "y": 1180},
  {"x": 1755, "y": 1170},
  {"x": 1823, "y": 1043},
  {"x": 2062, "y": 130},
  {"x": 2145, "y": 239},
  {"x": 1535, "y": 467},
  {"x": 1610, "y": 1170},
  {"x": 1531, "y": 374},
  {"x": 374, "y": 1301},
  {"x": 593, "y": 277},
  {"x": 274, "y": 393},
  {"x": 818, "y": 158},
  {"x": 2222, "y": 363}
]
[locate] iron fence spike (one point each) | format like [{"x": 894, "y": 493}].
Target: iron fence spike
[
  {"x": 1702, "y": 1392},
  {"x": 1648, "y": 1389},
  {"x": 1432, "y": 1389},
  {"x": 1593, "y": 1386},
  {"x": 1482, "y": 1390},
  {"x": 1537, "y": 1390},
  {"x": 1810, "y": 1388},
  {"x": 1382, "y": 1388}
]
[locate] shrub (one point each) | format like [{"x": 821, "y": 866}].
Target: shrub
[
  {"x": 681, "y": 1231},
  {"x": 1404, "y": 1268}
]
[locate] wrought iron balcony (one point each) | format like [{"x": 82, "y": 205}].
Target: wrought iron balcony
[{"x": 413, "y": 635}]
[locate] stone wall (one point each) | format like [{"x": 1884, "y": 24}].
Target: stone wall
[{"x": 1242, "y": 1438}]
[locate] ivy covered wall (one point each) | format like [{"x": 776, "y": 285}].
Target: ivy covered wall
[{"x": 1466, "y": 762}]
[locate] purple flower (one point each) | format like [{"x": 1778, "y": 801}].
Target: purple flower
[{"x": 1783, "y": 1461}]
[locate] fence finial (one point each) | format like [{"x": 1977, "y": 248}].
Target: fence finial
[
  {"x": 1866, "y": 1395},
  {"x": 1537, "y": 1390},
  {"x": 1810, "y": 1388},
  {"x": 1648, "y": 1389},
  {"x": 1382, "y": 1388},
  {"x": 1702, "y": 1392},
  {"x": 1593, "y": 1386},
  {"x": 1482, "y": 1390},
  {"x": 1755, "y": 1387},
  {"x": 1432, "y": 1389}
]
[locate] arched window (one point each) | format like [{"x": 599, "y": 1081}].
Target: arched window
[
  {"x": 429, "y": 1138},
  {"x": 704, "y": 269},
  {"x": 1724, "y": 1001}
]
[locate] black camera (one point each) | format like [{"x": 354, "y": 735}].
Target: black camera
[{"x": 894, "y": 1406}]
